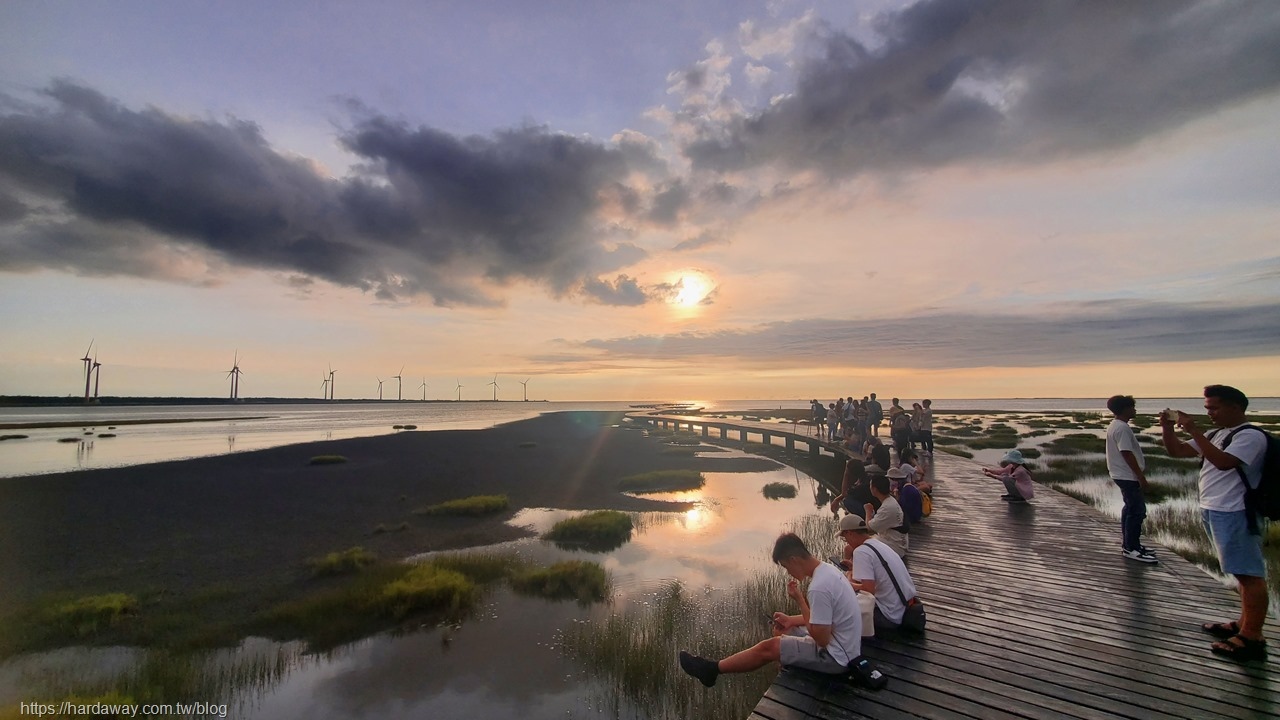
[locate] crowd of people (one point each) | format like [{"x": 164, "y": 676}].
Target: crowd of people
[
  {"x": 881, "y": 500},
  {"x": 867, "y": 591}
]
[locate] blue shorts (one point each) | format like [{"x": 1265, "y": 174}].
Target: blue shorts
[{"x": 1239, "y": 552}]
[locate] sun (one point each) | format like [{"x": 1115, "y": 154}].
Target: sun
[{"x": 692, "y": 288}]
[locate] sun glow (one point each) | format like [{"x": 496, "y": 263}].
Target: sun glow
[{"x": 692, "y": 288}]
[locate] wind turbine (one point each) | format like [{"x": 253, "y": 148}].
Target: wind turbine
[
  {"x": 526, "y": 389},
  {"x": 495, "y": 388},
  {"x": 97, "y": 372},
  {"x": 399, "y": 383},
  {"x": 424, "y": 389},
  {"x": 324, "y": 387},
  {"x": 88, "y": 369},
  {"x": 234, "y": 374},
  {"x": 332, "y": 383},
  {"x": 379, "y": 388},
  {"x": 459, "y": 389}
]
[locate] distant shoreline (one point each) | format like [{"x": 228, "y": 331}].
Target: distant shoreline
[
  {"x": 30, "y": 401},
  {"x": 147, "y": 421}
]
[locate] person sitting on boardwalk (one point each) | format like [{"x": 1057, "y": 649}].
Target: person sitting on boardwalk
[
  {"x": 825, "y": 636},
  {"x": 915, "y": 475},
  {"x": 912, "y": 502},
  {"x": 1015, "y": 476},
  {"x": 873, "y": 561},
  {"x": 855, "y": 490},
  {"x": 1232, "y": 455},
  {"x": 888, "y": 521}
]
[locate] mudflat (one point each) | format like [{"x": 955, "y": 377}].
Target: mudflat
[{"x": 249, "y": 521}]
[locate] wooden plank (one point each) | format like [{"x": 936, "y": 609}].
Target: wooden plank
[{"x": 1034, "y": 614}]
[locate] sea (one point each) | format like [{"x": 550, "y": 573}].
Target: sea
[{"x": 92, "y": 437}]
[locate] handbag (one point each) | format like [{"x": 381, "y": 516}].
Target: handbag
[{"x": 913, "y": 617}]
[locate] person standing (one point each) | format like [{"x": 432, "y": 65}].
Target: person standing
[
  {"x": 875, "y": 413},
  {"x": 1127, "y": 468},
  {"x": 1231, "y": 456},
  {"x": 825, "y": 636},
  {"x": 926, "y": 427}
]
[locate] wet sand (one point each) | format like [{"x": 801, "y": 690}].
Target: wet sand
[{"x": 249, "y": 521}]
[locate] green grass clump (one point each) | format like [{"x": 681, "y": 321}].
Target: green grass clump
[
  {"x": 662, "y": 481},
  {"x": 68, "y": 439},
  {"x": 469, "y": 506},
  {"x": 481, "y": 567},
  {"x": 599, "y": 531},
  {"x": 86, "y": 616},
  {"x": 957, "y": 453},
  {"x": 1001, "y": 442},
  {"x": 427, "y": 587},
  {"x": 1076, "y": 444},
  {"x": 13, "y": 437},
  {"x": 351, "y": 560},
  {"x": 1029, "y": 453},
  {"x": 327, "y": 460},
  {"x": 585, "y": 582},
  {"x": 1038, "y": 433},
  {"x": 777, "y": 490},
  {"x": 1077, "y": 467}
]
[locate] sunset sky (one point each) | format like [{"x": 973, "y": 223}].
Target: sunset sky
[{"x": 626, "y": 200}]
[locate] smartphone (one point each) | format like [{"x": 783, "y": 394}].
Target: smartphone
[{"x": 769, "y": 619}]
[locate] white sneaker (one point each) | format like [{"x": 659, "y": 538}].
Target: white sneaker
[{"x": 1139, "y": 556}]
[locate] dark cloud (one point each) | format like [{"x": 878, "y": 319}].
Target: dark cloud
[
  {"x": 1095, "y": 332},
  {"x": 702, "y": 240},
  {"x": 959, "y": 80},
  {"x": 622, "y": 291},
  {"x": 430, "y": 214},
  {"x": 668, "y": 203}
]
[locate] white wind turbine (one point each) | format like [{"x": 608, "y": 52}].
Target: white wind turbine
[
  {"x": 423, "y": 388},
  {"x": 459, "y": 389},
  {"x": 399, "y": 383},
  {"x": 495, "y": 388},
  {"x": 234, "y": 373},
  {"x": 525, "y": 383},
  {"x": 332, "y": 383},
  {"x": 88, "y": 369},
  {"x": 379, "y": 388},
  {"x": 324, "y": 387}
]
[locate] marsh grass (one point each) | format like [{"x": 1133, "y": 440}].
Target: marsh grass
[
  {"x": 779, "y": 490},
  {"x": 1001, "y": 442},
  {"x": 1075, "y": 444},
  {"x": 351, "y": 560},
  {"x": 327, "y": 460},
  {"x": 468, "y": 506},
  {"x": 632, "y": 652},
  {"x": 597, "y": 531},
  {"x": 660, "y": 481},
  {"x": 1029, "y": 453},
  {"x": 956, "y": 452},
  {"x": 13, "y": 437},
  {"x": 584, "y": 582},
  {"x": 89, "y": 615}
]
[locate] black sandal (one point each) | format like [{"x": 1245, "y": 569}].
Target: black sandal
[
  {"x": 1244, "y": 651},
  {"x": 1221, "y": 630}
]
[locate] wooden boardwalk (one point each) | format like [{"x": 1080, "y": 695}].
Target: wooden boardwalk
[{"x": 1033, "y": 613}]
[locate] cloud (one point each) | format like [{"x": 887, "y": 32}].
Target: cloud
[
  {"x": 1093, "y": 332},
  {"x": 622, "y": 291},
  {"x": 1000, "y": 80},
  {"x": 701, "y": 240},
  {"x": 90, "y": 186}
]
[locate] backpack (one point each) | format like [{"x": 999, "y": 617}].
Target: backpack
[
  {"x": 926, "y": 504},
  {"x": 1263, "y": 500}
]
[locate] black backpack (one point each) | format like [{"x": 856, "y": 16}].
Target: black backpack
[{"x": 1263, "y": 500}]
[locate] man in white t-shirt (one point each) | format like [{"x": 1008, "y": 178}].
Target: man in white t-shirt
[
  {"x": 888, "y": 521},
  {"x": 870, "y": 574},
  {"x": 825, "y": 636},
  {"x": 1232, "y": 454},
  {"x": 1127, "y": 468}
]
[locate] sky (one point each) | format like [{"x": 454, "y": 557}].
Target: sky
[{"x": 627, "y": 200}]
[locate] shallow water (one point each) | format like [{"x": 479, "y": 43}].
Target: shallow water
[{"x": 505, "y": 661}]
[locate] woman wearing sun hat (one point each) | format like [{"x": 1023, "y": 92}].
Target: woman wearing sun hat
[{"x": 1015, "y": 476}]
